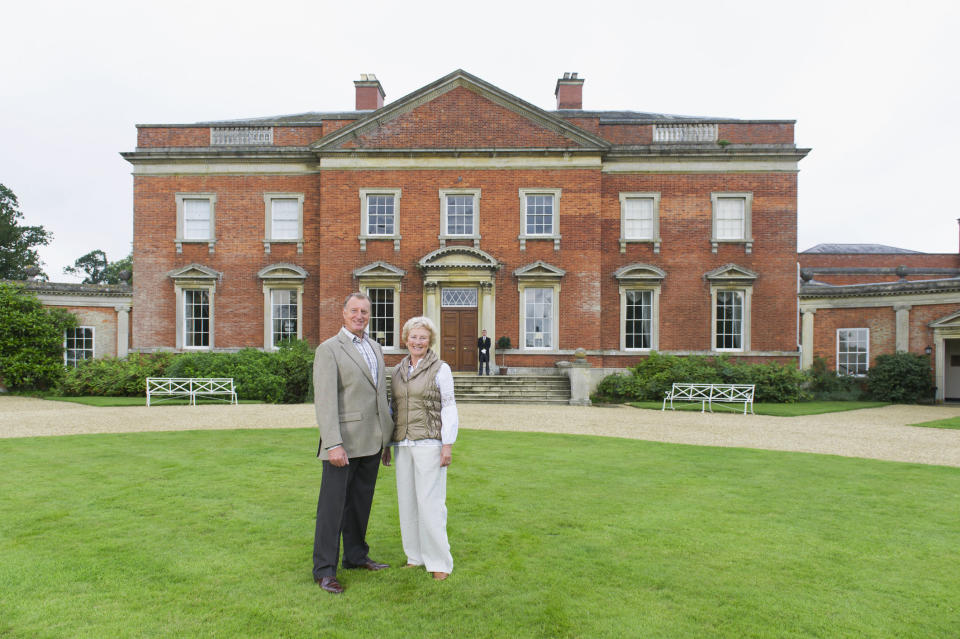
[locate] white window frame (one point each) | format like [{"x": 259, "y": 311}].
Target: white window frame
[
  {"x": 554, "y": 320},
  {"x": 268, "y": 237},
  {"x": 866, "y": 341},
  {"x": 444, "y": 233},
  {"x": 747, "y": 239},
  {"x": 268, "y": 291},
  {"x": 180, "y": 240},
  {"x": 555, "y": 234},
  {"x": 654, "y": 238},
  {"x": 179, "y": 290},
  {"x": 365, "y": 234},
  {"x": 654, "y": 317},
  {"x": 93, "y": 344},
  {"x": 746, "y": 294},
  {"x": 396, "y": 346}
]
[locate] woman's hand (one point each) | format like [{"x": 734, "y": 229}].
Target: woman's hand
[
  {"x": 446, "y": 454},
  {"x": 385, "y": 456}
]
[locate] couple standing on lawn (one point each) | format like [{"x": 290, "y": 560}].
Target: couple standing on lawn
[{"x": 357, "y": 431}]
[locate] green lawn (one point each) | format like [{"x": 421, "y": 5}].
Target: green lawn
[
  {"x": 950, "y": 422},
  {"x": 139, "y": 401},
  {"x": 776, "y": 410},
  {"x": 209, "y": 534}
]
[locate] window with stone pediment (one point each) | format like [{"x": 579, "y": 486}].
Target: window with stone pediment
[{"x": 196, "y": 318}]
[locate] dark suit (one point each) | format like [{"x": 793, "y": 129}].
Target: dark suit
[
  {"x": 483, "y": 355},
  {"x": 352, "y": 411}
]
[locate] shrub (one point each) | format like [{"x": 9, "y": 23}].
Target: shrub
[
  {"x": 113, "y": 376},
  {"x": 903, "y": 378},
  {"x": 826, "y": 384},
  {"x": 652, "y": 378},
  {"x": 31, "y": 340}
]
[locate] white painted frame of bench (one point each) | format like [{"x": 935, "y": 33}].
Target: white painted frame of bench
[
  {"x": 191, "y": 387},
  {"x": 706, "y": 394}
]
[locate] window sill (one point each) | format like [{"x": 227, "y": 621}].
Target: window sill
[
  {"x": 447, "y": 238},
  {"x": 179, "y": 242},
  {"x": 747, "y": 244},
  {"x": 268, "y": 242},
  {"x": 525, "y": 238},
  {"x": 624, "y": 241},
  {"x": 366, "y": 238}
]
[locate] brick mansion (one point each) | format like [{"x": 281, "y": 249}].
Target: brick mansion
[{"x": 618, "y": 232}]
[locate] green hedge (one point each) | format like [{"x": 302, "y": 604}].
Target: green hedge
[
  {"x": 651, "y": 378},
  {"x": 903, "y": 378},
  {"x": 283, "y": 376}
]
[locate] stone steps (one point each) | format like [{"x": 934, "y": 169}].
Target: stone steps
[{"x": 511, "y": 389}]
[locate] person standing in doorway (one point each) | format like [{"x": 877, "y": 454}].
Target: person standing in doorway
[
  {"x": 350, "y": 399},
  {"x": 483, "y": 353}
]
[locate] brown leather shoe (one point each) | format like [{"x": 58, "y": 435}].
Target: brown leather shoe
[
  {"x": 369, "y": 564},
  {"x": 440, "y": 576},
  {"x": 330, "y": 584}
]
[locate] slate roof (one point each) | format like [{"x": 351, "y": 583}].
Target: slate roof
[{"x": 860, "y": 249}]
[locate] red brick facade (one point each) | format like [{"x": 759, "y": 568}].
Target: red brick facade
[{"x": 461, "y": 133}]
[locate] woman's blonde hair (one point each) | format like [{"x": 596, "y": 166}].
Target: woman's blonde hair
[{"x": 419, "y": 322}]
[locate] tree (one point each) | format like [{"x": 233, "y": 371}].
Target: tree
[
  {"x": 17, "y": 242},
  {"x": 98, "y": 270},
  {"x": 31, "y": 342}
]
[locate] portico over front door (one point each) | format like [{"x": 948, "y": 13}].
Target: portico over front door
[{"x": 458, "y": 328}]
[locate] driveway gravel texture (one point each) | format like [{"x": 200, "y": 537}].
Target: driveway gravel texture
[{"x": 874, "y": 433}]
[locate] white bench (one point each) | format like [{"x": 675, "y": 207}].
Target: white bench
[
  {"x": 707, "y": 394},
  {"x": 191, "y": 387}
]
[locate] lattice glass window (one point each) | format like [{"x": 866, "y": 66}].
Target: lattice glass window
[
  {"x": 196, "y": 317},
  {"x": 77, "y": 345},
  {"x": 729, "y": 320},
  {"x": 382, "y": 327},
  {"x": 283, "y": 315},
  {"x": 196, "y": 219},
  {"x": 731, "y": 214},
  {"x": 380, "y": 214},
  {"x": 538, "y": 318},
  {"x": 539, "y": 214},
  {"x": 853, "y": 351},
  {"x": 639, "y": 320},
  {"x": 285, "y": 218},
  {"x": 638, "y": 218},
  {"x": 460, "y": 215},
  {"x": 462, "y": 297}
]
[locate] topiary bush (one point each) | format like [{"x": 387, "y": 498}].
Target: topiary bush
[{"x": 903, "y": 378}]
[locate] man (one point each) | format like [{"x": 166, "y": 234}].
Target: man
[
  {"x": 350, "y": 398},
  {"x": 483, "y": 352}
]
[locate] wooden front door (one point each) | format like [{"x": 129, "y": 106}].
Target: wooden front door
[{"x": 458, "y": 330}]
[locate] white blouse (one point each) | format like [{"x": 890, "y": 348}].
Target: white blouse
[{"x": 449, "y": 420}]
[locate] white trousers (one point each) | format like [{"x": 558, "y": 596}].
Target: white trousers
[{"x": 422, "y": 497}]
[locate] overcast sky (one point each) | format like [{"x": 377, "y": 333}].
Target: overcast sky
[{"x": 873, "y": 87}]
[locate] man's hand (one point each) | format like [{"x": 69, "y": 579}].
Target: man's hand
[
  {"x": 446, "y": 454},
  {"x": 338, "y": 457},
  {"x": 385, "y": 456}
]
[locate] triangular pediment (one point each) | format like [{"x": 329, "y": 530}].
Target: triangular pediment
[
  {"x": 460, "y": 112},
  {"x": 379, "y": 269},
  {"x": 639, "y": 273},
  {"x": 541, "y": 270},
  {"x": 731, "y": 273},
  {"x": 194, "y": 272},
  {"x": 282, "y": 271},
  {"x": 458, "y": 257},
  {"x": 950, "y": 321}
]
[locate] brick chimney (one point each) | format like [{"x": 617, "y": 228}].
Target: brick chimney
[
  {"x": 369, "y": 92},
  {"x": 569, "y": 91}
]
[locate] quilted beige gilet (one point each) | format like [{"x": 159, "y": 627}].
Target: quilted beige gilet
[{"x": 416, "y": 399}]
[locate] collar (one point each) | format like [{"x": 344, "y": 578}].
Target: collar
[{"x": 351, "y": 336}]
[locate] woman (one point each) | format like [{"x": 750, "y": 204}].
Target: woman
[{"x": 425, "y": 428}]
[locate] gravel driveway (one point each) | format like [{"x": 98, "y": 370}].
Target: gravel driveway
[{"x": 876, "y": 433}]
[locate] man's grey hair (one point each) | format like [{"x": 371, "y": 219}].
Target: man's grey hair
[{"x": 358, "y": 295}]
